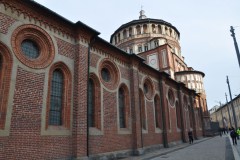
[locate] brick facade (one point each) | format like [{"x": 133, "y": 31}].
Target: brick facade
[{"x": 25, "y": 86}]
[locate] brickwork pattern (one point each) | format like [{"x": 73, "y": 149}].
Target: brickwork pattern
[
  {"x": 5, "y": 22},
  {"x": 65, "y": 48},
  {"x": 94, "y": 60},
  {"x": 25, "y": 140}
]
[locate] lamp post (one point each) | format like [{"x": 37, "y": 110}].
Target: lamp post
[
  {"x": 228, "y": 110},
  {"x": 235, "y": 44},
  {"x": 233, "y": 109}
]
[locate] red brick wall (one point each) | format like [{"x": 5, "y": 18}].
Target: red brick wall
[
  {"x": 111, "y": 140},
  {"x": 25, "y": 140},
  {"x": 5, "y": 22},
  {"x": 80, "y": 102},
  {"x": 65, "y": 48},
  {"x": 151, "y": 138}
]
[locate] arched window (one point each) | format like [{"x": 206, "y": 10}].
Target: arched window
[
  {"x": 130, "y": 32},
  {"x": 159, "y": 29},
  {"x": 178, "y": 114},
  {"x": 115, "y": 39},
  {"x": 139, "y": 48},
  {"x": 59, "y": 96},
  {"x": 121, "y": 107},
  {"x": 158, "y": 112},
  {"x": 56, "y": 100},
  {"x": 91, "y": 104},
  {"x": 144, "y": 28},
  {"x": 153, "y": 28},
  {"x": 138, "y": 28},
  {"x": 124, "y": 34},
  {"x": 0, "y": 67},
  {"x": 94, "y": 102},
  {"x": 118, "y": 37},
  {"x": 5, "y": 79},
  {"x": 142, "y": 110}
]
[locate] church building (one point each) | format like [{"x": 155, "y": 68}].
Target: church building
[{"x": 66, "y": 93}]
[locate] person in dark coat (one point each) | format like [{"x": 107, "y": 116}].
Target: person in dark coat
[
  {"x": 190, "y": 136},
  {"x": 233, "y": 135}
]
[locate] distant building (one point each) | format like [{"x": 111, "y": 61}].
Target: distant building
[
  {"x": 224, "y": 114},
  {"x": 65, "y": 93},
  {"x": 213, "y": 109}
]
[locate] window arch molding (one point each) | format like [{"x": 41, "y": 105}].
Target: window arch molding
[
  {"x": 113, "y": 73},
  {"x": 148, "y": 88},
  {"x": 39, "y": 37},
  {"x": 96, "y": 101},
  {"x": 171, "y": 97},
  {"x": 125, "y": 111},
  {"x": 5, "y": 76},
  {"x": 67, "y": 94}
]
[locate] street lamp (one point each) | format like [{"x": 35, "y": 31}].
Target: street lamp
[
  {"x": 233, "y": 109},
  {"x": 235, "y": 44}
]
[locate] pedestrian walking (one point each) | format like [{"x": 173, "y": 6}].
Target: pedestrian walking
[
  {"x": 238, "y": 132},
  {"x": 233, "y": 135},
  {"x": 220, "y": 131},
  {"x": 190, "y": 137}
]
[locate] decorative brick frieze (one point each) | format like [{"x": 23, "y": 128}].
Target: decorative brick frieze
[
  {"x": 65, "y": 48},
  {"x": 5, "y": 23},
  {"x": 94, "y": 60}
]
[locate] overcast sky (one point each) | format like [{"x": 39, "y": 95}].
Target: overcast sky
[{"x": 203, "y": 24}]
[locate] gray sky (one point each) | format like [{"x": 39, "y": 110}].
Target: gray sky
[{"x": 203, "y": 24}]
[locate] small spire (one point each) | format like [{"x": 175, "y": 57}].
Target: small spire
[{"x": 142, "y": 13}]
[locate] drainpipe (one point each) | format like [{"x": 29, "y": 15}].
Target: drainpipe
[{"x": 92, "y": 41}]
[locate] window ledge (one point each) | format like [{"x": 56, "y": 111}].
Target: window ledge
[
  {"x": 158, "y": 130},
  {"x": 124, "y": 131},
  {"x": 56, "y": 130},
  {"x": 95, "y": 131}
]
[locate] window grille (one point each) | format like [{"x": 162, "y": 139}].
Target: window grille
[
  {"x": 156, "y": 103},
  {"x": 121, "y": 101},
  {"x": 91, "y": 104},
  {"x": 56, "y": 101},
  {"x": 106, "y": 75},
  {"x": 30, "y": 49}
]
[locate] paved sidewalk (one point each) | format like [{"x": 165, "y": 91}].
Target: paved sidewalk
[
  {"x": 235, "y": 148},
  {"x": 210, "y": 148},
  {"x": 165, "y": 151}
]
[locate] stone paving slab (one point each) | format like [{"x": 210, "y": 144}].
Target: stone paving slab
[{"x": 165, "y": 151}]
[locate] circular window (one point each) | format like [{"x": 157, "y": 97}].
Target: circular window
[
  {"x": 109, "y": 74},
  {"x": 106, "y": 76},
  {"x": 171, "y": 97},
  {"x": 30, "y": 49},
  {"x": 32, "y": 46},
  {"x": 148, "y": 88}
]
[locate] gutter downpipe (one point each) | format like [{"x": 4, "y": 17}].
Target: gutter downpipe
[{"x": 92, "y": 41}]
